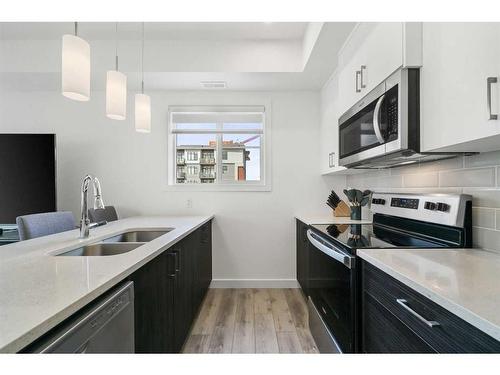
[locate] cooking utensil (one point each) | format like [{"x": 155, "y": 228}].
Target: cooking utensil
[
  {"x": 366, "y": 197},
  {"x": 359, "y": 196},
  {"x": 354, "y": 196},
  {"x": 365, "y": 200},
  {"x": 350, "y": 194}
]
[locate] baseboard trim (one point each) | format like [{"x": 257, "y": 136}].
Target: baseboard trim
[{"x": 254, "y": 283}]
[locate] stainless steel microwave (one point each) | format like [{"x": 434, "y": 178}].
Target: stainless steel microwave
[{"x": 383, "y": 129}]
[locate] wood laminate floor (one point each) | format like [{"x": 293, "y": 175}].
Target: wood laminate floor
[{"x": 251, "y": 321}]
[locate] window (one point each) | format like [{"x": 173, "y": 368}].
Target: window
[{"x": 223, "y": 146}]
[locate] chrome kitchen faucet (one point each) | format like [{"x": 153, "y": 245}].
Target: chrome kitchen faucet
[{"x": 98, "y": 203}]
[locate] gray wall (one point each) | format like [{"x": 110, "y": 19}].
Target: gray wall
[{"x": 478, "y": 175}]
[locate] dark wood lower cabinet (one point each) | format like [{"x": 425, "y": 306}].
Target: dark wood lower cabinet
[
  {"x": 169, "y": 290},
  {"x": 183, "y": 300},
  {"x": 154, "y": 297},
  {"x": 302, "y": 244},
  {"x": 397, "y": 319},
  {"x": 384, "y": 333},
  {"x": 202, "y": 262}
]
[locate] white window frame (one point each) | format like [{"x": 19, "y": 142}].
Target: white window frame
[{"x": 264, "y": 184}]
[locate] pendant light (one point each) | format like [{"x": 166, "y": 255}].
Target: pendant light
[
  {"x": 116, "y": 89},
  {"x": 142, "y": 101},
  {"x": 75, "y": 67}
]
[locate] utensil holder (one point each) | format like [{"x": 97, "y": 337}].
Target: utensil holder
[{"x": 355, "y": 212}]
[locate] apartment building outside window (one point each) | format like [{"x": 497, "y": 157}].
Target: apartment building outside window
[{"x": 217, "y": 145}]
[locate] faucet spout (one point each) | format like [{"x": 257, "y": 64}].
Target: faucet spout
[{"x": 98, "y": 203}]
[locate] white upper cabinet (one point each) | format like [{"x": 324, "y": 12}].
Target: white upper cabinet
[
  {"x": 329, "y": 127},
  {"x": 372, "y": 52},
  {"x": 460, "y": 87}
]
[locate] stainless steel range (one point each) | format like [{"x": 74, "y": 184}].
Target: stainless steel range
[{"x": 399, "y": 221}]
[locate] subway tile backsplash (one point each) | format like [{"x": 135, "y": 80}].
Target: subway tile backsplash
[
  {"x": 477, "y": 175},
  {"x": 424, "y": 179},
  {"x": 474, "y": 177},
  {"x": 484, "y": 217}
]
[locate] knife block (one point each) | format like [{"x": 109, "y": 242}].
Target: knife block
[{"x": 342, "y": 210}]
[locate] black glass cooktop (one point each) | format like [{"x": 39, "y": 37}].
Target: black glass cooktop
[{"x": 362, "y": 236}]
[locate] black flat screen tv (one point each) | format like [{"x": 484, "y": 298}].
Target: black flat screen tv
[{"x": 27, "y": 175}]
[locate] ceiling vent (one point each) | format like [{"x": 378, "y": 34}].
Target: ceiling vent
[{"x": 213, "y": 84}]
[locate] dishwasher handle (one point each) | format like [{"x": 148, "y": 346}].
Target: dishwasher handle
[{"x": 329, "y": 249}]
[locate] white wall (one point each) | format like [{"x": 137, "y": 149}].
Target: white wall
[{"x": 254, "y": 232}]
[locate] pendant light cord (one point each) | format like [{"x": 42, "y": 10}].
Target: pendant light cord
[
  {"x": 76, "y": 28},
  {"x": 142, "y": 60},
  {"x": 116, "y": 46}
]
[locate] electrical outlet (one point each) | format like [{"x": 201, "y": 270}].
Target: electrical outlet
[{"x": 189, "y": 203}]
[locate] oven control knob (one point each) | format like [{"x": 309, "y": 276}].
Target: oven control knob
[
  {"x": 378, "y": 201},
  {"x": 430, "y": 206},
  {"x": 443, "y": 207}
]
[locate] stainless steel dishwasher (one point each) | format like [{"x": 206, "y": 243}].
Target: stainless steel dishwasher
[{"x": 104, "y": 326}]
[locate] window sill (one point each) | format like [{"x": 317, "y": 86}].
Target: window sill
[{"x": 219, "y": 187}]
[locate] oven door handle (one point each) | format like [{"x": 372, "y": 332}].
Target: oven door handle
[
  {"x": 376, "y": 120},
  {"x": 332, "y": 252}
]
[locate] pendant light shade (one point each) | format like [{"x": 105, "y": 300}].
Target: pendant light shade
[
  {"x": 142, "y": 113},
  {"x": 116, "y": 95},
  {"x": 75, "y": 68},
  {"x": 142, "y": 101},
  {"x": 116, "y": 89}
]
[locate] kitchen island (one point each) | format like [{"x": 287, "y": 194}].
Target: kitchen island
[{"x": 39, "y": 290}]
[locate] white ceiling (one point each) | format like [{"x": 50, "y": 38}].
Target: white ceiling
[
  {"x": 248, "y": 56},
  {"x": 156, "y": 30}
]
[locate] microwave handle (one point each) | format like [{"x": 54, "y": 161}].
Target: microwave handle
[
  {"x": 336, "y": 254},
  {"x": 376, "y": 121}
]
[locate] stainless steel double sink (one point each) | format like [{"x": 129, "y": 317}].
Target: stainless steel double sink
[{"x": 118, "y": 244}]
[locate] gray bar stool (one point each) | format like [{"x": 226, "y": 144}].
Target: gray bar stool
[
  {"x": 107, "y": 214},
  {"x": 38, "y": 225}
]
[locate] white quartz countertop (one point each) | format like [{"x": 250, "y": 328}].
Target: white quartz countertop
[
  {"x": 39, "y": 290},
  {"x": 328, "y": 219},
  {"x": 463, "y": 281}
]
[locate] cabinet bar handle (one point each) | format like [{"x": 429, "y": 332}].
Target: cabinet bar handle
[
  {"x": 172, "y": 274},
  {"x": 358, "y": 75},
  {"x": 177, "y": 261},
  {"x": 363, "y": 67},
  {"x": 429, "y": 323},
  {"x": 490, "y": 81}
]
